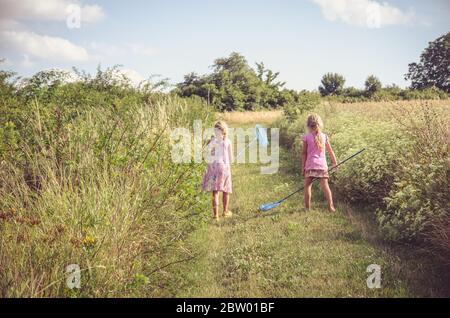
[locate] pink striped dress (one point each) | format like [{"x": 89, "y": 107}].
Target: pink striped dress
[{"x": 218, "y": 173}]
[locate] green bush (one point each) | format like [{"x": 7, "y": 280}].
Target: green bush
[
  {"x": 368, "y": 178},
  {"x": 419, "y": 196},
  {"x": 404, "y": 173},
  {"x": 86, "y": 178},
  {"x": 304, "y": 102}
]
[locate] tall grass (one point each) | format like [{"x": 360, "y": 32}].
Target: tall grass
[
  {"x": 403, "y": 175},
  {"x": 100, "y": 191},
  {"x": 243, "y": 118}
]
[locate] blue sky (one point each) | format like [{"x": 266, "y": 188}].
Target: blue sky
[{"x": 301, "y": 39}]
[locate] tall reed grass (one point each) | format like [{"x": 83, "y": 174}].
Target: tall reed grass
[{"x": 99, "y": 191}]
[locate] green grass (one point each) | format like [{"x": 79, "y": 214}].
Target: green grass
[{"x": 287, "y": 252}]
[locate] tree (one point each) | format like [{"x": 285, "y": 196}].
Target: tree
[
  {"x": 372, "y": 84},
  {"x": 332, "y": 84},
  {"x": 234, "y": 85},
  {"x": 190, "y": 86},
  {"x": 434, "y": 66}
]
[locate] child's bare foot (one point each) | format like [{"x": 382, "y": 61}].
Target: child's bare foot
[
  {"x": 331, "y": 209},
  {"x": 227, "y": 214},
  {"x": 216, "y": 217}
]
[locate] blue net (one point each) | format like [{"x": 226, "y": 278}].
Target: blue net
[
  {"x": 261, "y": 135},
  {"x": 269, "y": 206}
]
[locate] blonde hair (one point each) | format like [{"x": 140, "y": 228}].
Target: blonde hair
[
  {"x": 223, "y": 128},
  {"x": 314, "y": 122}
]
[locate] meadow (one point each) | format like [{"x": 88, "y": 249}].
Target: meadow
[
  {"x": 86, "y": 179},
  {"x": 289, "y": 252},
  {"x": 403, "y": 175}
]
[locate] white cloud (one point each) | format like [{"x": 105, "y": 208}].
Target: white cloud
[
  {"x": 365, "y": 13},
  {"x": 41, "y": 46},
  {"x": 134, "y": 76},
  {"x": 48, "y": 10},
  {"x": 18, "y": 39}
]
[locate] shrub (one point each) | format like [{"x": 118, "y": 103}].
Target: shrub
[
  {"x": 87, "y": 181},
  {"x": 304, "y": 102},
  {"x": 418, "y": 201},
  {"x": 424, "y": 94},
  {"x": 403, "y": 175}
]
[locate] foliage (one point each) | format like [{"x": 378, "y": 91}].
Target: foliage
[
  {"x": 433, "y": 68},
  {"x": 234, "y": 85},
  {"x": 419, "y": 195},
  {"x": 304, "y": 102},
  {"x": 83, "y": 181},
  {"x": 331, "y": 84},
  {"x": 403, "y": 175},
  {"x": 388, "y": 93},
  {"x": 372, "y": 85}
]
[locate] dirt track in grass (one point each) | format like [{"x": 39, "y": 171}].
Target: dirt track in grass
[{"x": 287, "y": 252}]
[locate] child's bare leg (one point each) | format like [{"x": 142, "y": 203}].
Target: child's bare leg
[
  {"x": 326, "y": 190},
  {"x": 225, "y": 200},
  {"x": 307, "y": 192},
  {"x": 215, "y": 203}
]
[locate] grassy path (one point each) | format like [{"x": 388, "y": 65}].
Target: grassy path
[{"x": 287, "y": 252}]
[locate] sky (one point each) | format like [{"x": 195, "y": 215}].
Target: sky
[{"x": 301, "y": 39}]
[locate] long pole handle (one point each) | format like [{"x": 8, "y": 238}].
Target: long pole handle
[{"x": 329, "y": 170}]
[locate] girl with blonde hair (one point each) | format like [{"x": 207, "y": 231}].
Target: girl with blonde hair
[
  {"x": 314, "y": 162},
  {"x": 218, "y": 174}
]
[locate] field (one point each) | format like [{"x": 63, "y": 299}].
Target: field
[
  {"x": 293, "y": 253},
  {"x": 94, "y": 191},
  {"x": 109, "y": 111}
]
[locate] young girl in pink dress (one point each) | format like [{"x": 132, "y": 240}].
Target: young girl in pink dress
[
  {"x": 314, "y": 162},
  {"x": 218, "y": 174}
]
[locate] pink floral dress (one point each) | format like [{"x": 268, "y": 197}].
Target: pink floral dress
[{"x": 218, "y": 173}]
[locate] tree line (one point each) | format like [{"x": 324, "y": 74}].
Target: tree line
[{"x": 234, "y": 85}]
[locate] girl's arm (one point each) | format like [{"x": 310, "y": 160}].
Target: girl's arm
[
  {"x": 331, "y": 153},
  {"x": 304, "y": 155}
]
